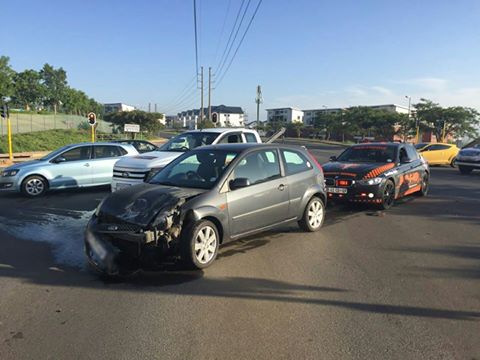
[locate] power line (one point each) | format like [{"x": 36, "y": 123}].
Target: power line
[
  {"x": 231, "y": 32},
  {"x": 219, "y": 70},
  {"x": 186, "y": 97},
  {"x": 223, "y": 29},
  {"x": 196, "y": 37},
  {"x": 240, "y": 43}
]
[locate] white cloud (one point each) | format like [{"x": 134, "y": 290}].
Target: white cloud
[{"x": 427, "y": 83}]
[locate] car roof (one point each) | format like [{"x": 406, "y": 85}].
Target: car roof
[
  {"x": 220, "y": 130},
  {"x": 380, "y": 144},
  {"x": 240, "y": 147}
]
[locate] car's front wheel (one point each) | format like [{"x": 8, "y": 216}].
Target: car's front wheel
[
  {"x": 313, "y": 215},
  {"x": 34, "y": 186},
  {"x": 424, "y": 186},
  {"x": 388, "y": 195},
  {"x": 465, "y": 169},
  {"x": 200, "y": 244}
]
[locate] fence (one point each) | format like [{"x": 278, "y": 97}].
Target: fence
[{"x": 24, "y": 123}]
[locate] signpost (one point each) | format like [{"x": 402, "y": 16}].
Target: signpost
[
  {"x": 92, "y": 120},
  {"x": 6, "y": 115},
  {"x": 131, "y": 128}
]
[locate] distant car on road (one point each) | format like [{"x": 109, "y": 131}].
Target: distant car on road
[
  {"x": 78, "y": 165},
  {"x": 376, "y": 173},
  {"x": 468, "y": 159},
  {"x": 438, "y": 153},
  {"x": 202, "y": 199},
  {"x": 142, "y": 146},
  {"x": 138, "y": 169}
]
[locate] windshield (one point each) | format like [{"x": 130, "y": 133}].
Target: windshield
[
  {"x": 371, "y": 153},
  {"x": 54, "y": 153},
  {"x": 420, "y": 145},
  {"x": 188, "y": 141},
  {"x": 200, "y": 169}
]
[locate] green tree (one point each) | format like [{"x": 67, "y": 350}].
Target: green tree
[
  {"x": 454, "y": 121},
  {"x": 6, "y": 77},
  {"x": 148, "y": 121},
  {"x": 55, "y": 81},
  {"x": 28, "y": 89}
]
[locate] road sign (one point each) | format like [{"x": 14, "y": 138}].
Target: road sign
[{"x": 132, "y": 128}]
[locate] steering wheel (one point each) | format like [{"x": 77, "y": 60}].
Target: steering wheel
[{"x": 192, "y": 175}]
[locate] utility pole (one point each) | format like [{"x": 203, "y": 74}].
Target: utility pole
[
  {"x": 210, "y": 93},
  {"x": 201, "y": 95},
  {"x": 258, "y": 100},
  {"x": 155, "y": 107},
  {"x": 149, "y": 107}
]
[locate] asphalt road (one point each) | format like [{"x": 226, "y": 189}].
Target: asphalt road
[{"x": 401, "y": 284}]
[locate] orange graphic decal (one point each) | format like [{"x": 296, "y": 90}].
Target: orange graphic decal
[{"x": 380, "y": 170}]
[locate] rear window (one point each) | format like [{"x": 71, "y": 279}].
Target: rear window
[
  {"x": 295, "y": 162},
  {"x": 251, "y": 138}
]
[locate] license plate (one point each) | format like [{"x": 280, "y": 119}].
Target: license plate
[
  {"x": 335, "y": 190},
  {"x": 121, "y": 186}
]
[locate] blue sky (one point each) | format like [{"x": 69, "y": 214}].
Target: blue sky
[{"x": 305, "y": 54}]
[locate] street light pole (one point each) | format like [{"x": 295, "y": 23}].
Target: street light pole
[{"x": 408, "y": 116}]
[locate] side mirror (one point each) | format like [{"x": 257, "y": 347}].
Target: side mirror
[
  {"x": 59, "y": 160},
  {"x": 333, "y": 158},
  {"x": 239, "y": 183}
]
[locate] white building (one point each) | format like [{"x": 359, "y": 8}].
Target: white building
[
  {"x": 287, "y": 115},
  {"x": 117, "y": 107},
  {"x": 227, "y": 116},
  {"x": 310, "y": 115}
]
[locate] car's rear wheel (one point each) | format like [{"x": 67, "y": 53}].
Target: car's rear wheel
[
  {"x": 388, "y": 195},
  {"x": 34, "y": 186},
  {"x": 200, "y": 244},
  {"x": 424, "y": 186},
  {"x": 465, "y": 169},
  {"x": 313, "y": 215}
]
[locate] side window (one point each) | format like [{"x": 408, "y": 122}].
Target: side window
[
  {"x": 144, "y": 147},
  {"x": 411, "y": 152},
  {"x": 251, "y": 138},
  {"x": 258, "y": 167},
  {"x": 438, "y": 147},
  {"x": 295, "y": 162},
  {"x": 79, "y": 153},
  {"x": 403, "y": 156},
  {"x": 105, "y": 151},
  {"x": 231, "y": 139},
  {"x": 122, "y": 150}
]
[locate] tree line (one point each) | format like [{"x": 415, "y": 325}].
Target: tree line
[
  {"x": 43, "y": 90},
  {"x": 362, "y": 121}
]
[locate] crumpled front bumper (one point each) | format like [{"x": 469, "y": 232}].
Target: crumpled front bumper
[{"x": 101, "y": 255}]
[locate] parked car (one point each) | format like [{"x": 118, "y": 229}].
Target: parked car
[
  {"x": 468, "y": 159},
  {"x": 376, "y": 173},
  {"x": 142, "y": 146},
  {"x": 135, "y": 170},
  {"x": 78, "y": 165},
  {"x": 438, "y": 153},
  {"x": 205, "y": 198}
]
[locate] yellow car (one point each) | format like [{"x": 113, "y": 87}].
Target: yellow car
[{"x": 438, "y": 153}]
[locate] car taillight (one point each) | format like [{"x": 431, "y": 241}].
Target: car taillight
[
  {"x": 343, "y": 182},
  {"x": 315, "y": 161}
]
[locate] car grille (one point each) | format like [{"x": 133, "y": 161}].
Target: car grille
[
  {"x": 118, "y": 228},
  {"x": 132, "y": 175}
]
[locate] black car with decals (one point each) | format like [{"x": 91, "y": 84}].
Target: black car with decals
[{"x": 376, "y": 173}]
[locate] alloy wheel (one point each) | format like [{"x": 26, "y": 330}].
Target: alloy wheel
[
  {"x": 205, "y": 244},
  {"x": 315, "y": 214},
  {"x": 34, "y": 187}
]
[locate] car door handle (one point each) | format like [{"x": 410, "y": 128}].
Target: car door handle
[
  {"x": 86, "y": 165},
  {"x": 281, "y": 187}
]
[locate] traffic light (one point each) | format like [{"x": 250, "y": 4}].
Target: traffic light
[
  {"x": 214, "y": 117},
  {"x": 4, "y": 111},
  {"x": 92, "y": 118}
]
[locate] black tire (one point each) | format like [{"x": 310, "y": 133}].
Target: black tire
[
  {"x": 197, "y": 253},
  {"x": 465, "y": 169},
  {"x": 452, "y": 163},
  {"x": 388, "y": 195},
  {"x": 313, "y": 215},
  {"x": 425, "y": 186},
  {"x": 34, "y": 186}
]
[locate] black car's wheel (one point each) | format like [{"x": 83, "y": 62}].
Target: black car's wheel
[
  {"x": 34, "y": 186},
  {"x": 452, "y": 163},
  {"x": 465, "y": 169},
  {"x": 200, "y": 244},
  {"x": 388, "y": 195},
  {"x": 313, "y": 215},
  {"x": 424, "y": 186}
]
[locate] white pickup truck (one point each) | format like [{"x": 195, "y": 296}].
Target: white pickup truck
[{"x": 136, "y": 169}]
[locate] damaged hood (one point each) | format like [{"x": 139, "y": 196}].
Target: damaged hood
[
  {"x": 354, "y": 170},
  {"x": 142, "y": 203}
]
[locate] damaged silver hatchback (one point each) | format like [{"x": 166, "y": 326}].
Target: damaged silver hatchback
[{"x": 201, "y": 200}]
